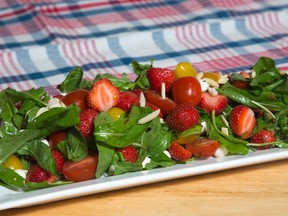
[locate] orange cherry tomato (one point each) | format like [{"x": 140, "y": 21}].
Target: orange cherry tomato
[
  {"x": 165, "y": 105},
  {"x": 203, "y": 147},
  {"x": 77, "y": 97},
  {"x": 186, "y": 90},
  {"x": 81, "y": 170}
]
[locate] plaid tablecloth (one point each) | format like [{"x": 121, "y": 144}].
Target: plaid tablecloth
[{"x": 42, "y": 40}]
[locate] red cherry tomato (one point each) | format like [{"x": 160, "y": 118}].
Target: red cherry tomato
[
  {"x": 165, "y": 105},
  {"x": 186, "y": 90},
  {"x": 203, "y": 147},
  {"x": 77, "y": 97},
  {"x": 81, "y": 170},
  {"x": 56, "y": 137}
]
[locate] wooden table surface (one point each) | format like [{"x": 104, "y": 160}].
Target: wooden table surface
[{"x": 255, "y": 190}]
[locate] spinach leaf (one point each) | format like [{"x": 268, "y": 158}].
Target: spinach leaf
[
  {"x": 263, "y": 65},
  {"x": 123, "y": 83},
  {"x": 142, "y": 81},
  {"x": 105, "y": 157}
]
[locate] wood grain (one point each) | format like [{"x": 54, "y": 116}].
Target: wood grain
[{"x": 255, "y": 190}]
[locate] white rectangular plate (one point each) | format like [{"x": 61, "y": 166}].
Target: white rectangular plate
[{"x": 12, "y": 199}]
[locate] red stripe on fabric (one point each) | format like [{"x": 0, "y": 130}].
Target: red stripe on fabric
[{"x": 17, "y": 12}]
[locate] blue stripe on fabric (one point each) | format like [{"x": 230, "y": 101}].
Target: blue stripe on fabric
[
  {"x": 159, "y": 40},
  {"x": 26, "y": 62},
  {"x": 117, "y": 49},
  {"x": 219, "y": 35}
]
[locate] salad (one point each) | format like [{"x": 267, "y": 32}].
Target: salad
[{"x": 112, "y": 125}]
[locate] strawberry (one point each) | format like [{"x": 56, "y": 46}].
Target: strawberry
[
  {"x": 154, "y": 108},
  {"x": 87, "y": 118},
  {"x": 37, "y": 174},
  {"x": 178, "y": 152},
  {"x": 263, "y": 136},
  {"x": 157, "y": 76},
  {"x": 137, "y": 91},
  {"x": 182, "y": 117},
  {"x": 103, "y": 95},
  {"x": 129, "y": 153},
  {"x": 127, "y": 99},
  {"x": 59, "y": 159},
  {"x": 242, "y": 121},
  {"x": 241, "y": 84},
  {"x": 210, "y": 103}
]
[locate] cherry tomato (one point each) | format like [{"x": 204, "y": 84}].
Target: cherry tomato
[
  {"x": 165, "y": 105},
  {"x": 203, "y": 147},
  {"x": 115, "y": 113},
  {"x": 81, "y": 170},
  {"x": 56, "y": 137},
  {"x": 77, "y": 97},
  {"x": 211, "y": 75},
  {"x": 186, "y": 90},
  {"x": 13, "y": 162},
  {"x": 184, "y": 69}
]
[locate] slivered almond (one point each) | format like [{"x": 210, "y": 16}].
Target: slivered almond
[
  {"x": 212, "y": 91},
  {"x": 224, "y": 120},
  {"x": 223, "y": 80},
  {"x": 211, "y": 82},
  {"x": 163, "y": 90},
  {"x": 199, "y": 75},
  {"x": 149, "y": 117},
  {"x": 225, "y": 130},
  {"x": 142, "y": 100}
]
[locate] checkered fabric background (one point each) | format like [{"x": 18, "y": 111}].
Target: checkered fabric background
[{"x": 42, "y": 40}]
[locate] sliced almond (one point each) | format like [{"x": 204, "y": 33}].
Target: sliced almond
[
  {"x": 199, "y": 75},
  {"x": 149, "y": 117},
  {"x": 223, "y": 80},
  {"x": 142, "y": 100},
  {"x": 225, "y": 130},
  {"x": 224, "y": 120},
  {"x": 211, "y": 82}
]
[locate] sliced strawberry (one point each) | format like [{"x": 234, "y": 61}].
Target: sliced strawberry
[
  {"x": 129, "y": 153},
  {"x": 263, "y": 136},
  {"x": 157, "y": 76},
  {"x": 127, "y": 99},
  {"x": 178, "y": 152},
  {"x": 183, "y": 117},
  {"x": 59, "y": 159},
  {"x": 87, "y": 118},
  {"x": 210, "y": 103},
  {"x": 154, "y": 108},
  {"x": 242, "y": 121},
  {"x": 37, "y": 174},
  {"x": 103, "y": 95}
]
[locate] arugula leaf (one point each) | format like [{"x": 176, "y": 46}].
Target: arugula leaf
[
  {"x": 72, "y": 81},
  {"x": 142, "y": 81},
  {"x": 10, "y": 144},
  {"x": 41, "y": 153},
  {"x": 123, "y": 83},
  {"x": 105, "y": 157},
  {"x": 263, "y": 65}
]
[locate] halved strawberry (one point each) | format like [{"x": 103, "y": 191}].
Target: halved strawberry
[
  {"x": 210, "y": 103},
  {"x": 182, "y": 117},
  {"x": 129, "y": 153},
  {"x": 87, "y": 118},
  {"x": 103, "y": 95},
  {"x": 59, "y": 159},
  {"x": 127, "y": 99},
  {"x": 157, "y": 76},
  {"x": 263, "y": 136},
  {"x": 178, "y": 152},
  {"x": 242, "y": 121},
  {"x": 37, "y": 174}
]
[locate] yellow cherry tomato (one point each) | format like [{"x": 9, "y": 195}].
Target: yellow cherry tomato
[
  {"x": 184, "y": 69},
  {"x": 187, "y": 139},
  {"x": 211, "y": 75},
  {"x": 13, "y": 162},
  {"x": 115, "y": 113}
]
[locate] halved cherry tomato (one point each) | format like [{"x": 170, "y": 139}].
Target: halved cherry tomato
[
  {"x": 81, "y": 170},
  {"x": 77, "y": 97},
  {"x": 13, "y": 162},
  {"x": 165, "y": 105},
  {"x": 203, "y": 147},
  {"x": 186, "y": 90},
  {"x": 56, "y": 137},
  {"x": 184, "y": 69}
]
